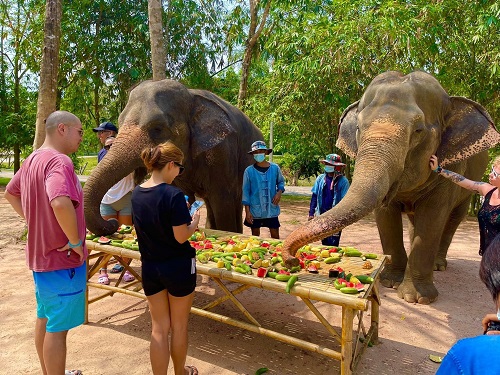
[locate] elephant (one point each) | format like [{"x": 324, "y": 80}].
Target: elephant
[
  {"x": 391, "y": 132},
  {"x": 214, "y": 136}
]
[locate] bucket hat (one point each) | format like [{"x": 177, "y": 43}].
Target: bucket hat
[
  {"x": 106, "y": 126},
  {"x": 258, "y": 146},
  {"x": 332, "y": 159}
]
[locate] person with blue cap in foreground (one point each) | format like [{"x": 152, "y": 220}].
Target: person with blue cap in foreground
[
  {"x": 328, "y": 190},
  {"x": 263, "y": 184}
]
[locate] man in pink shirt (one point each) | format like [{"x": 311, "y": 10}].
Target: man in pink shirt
[{"x": 47, "y": 194}]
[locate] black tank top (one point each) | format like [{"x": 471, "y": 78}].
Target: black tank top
[{"x": 488, "y": 218}]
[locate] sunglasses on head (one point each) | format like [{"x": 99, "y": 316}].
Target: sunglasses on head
[{"x": 181, "y": 167}]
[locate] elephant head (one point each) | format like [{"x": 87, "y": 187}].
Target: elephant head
[
  {"x": 213, "y": 135},
  {"x": 400, "y": 121}
]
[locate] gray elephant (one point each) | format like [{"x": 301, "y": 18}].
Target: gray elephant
[
  {"x": 400, "y": 121},
  {"x": 213, "y": 135}
]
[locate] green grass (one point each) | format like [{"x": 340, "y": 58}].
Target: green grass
[
  {"x": 295, "y": 198},
  {"x": 4, "y": 181},
  {"x": 89, "y": 162}
]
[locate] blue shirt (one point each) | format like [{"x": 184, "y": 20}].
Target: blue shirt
[
  {"x": 259, "y": 189},
  {"x": 475, "y": 355},
  {"x": 323, "y": 197},
  {"x": 102, "y": 153}
]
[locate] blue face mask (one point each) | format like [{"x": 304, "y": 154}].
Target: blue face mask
[
  {"x": 329, "y": 168},
  {"x": 259, "y": 157}
]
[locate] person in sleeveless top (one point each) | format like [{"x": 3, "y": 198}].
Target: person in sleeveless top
[{"x": 489, "y": 214}]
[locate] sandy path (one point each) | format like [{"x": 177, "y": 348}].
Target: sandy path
[{"x": 117, "y": 339}]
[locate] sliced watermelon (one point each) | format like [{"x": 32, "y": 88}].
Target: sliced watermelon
[{"x": 104, "y": 240}]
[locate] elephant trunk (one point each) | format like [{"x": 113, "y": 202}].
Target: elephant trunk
[
  {"x": 122, "y": 159},
  {"x": 372, "y": 184}
]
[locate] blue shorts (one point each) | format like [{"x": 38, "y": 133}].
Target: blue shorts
[
  {"x": 60, "y": 297},
  {"x": 177, "y": 276},
  {"x": 271, "y": 223},
  {"x": 122, "y": 206}
]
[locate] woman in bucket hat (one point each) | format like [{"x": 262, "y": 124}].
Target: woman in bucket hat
[
  {"x": 328, "y": 190},
  {"x": 263, "y": 184}
]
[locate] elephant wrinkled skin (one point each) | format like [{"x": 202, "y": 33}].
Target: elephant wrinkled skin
[
  {"x": 400, "y": 121},
  {"x": 213, "y": 135}
]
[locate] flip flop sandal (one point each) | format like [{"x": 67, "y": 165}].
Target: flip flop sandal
[
  {"x": 104, "y": 280},
  {"x": 73, "y": 372},
  {"x": 191, "y": 370},
  {"x": 117, "y": 268},
  {"x": 128, "y": 277}
]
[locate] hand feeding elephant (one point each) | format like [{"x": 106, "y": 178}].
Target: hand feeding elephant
[
  {"x": 392, "y": 131},
  {"x": 213, "y": 135}
]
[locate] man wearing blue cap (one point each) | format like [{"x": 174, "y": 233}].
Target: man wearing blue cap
[
  {"x": 263, "y": 184},
  {"x": 105, "y": 130},
  {"x": 329, "y": 188}
]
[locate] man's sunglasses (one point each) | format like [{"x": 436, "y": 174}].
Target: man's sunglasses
[{"x": 181, "y": 167}]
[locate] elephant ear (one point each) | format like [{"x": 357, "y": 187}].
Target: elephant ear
[
  {"x": 348, "y": 127},
  {"x": 210, "y": 122},
  {"x": 468, "y": 130}
]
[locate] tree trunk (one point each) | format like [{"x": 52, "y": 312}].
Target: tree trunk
[
  {"x": 158, "y": 55},
  {"x": 253, "y": 36},
  {"x": 47, "y": 94}
]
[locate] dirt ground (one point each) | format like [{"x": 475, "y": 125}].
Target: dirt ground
[{"x": 117, "y": 338}]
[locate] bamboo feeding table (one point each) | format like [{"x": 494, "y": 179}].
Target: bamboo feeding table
[{"x": 310, "y": 287}]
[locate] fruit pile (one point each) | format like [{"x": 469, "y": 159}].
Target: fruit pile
[
  {"x": 253, "y": 255},
  {"x": 124, "y": 237}
]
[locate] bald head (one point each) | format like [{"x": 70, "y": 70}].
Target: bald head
[{"x": 60, "y": 117}]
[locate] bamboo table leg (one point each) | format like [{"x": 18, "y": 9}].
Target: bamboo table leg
[{"x": 346, "y": 350}]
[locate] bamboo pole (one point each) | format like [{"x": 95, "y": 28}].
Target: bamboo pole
[
  {"x": 236, "y": 302},
  {"x": 269, "y": 333},
  {"x": 322, "y": 319},
  {"x": 224, "y": 298},
  {"x": 346, "y": 346}
]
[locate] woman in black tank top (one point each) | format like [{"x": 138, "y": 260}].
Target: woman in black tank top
[{"x": 489, "y": 214}]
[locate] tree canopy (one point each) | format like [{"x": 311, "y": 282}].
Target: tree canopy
[{"x": 309, "y": 61}]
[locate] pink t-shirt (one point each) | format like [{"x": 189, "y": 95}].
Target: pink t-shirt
[{"x": 47, "y": 174}]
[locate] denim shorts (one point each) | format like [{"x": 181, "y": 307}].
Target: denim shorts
[
  {"x": 122, "y": 205},
  {"x": 177, "y": 276},
  {"x": 60, "y": 297}
]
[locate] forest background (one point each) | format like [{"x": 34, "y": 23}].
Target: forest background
[{"x": 292, "y": 66}]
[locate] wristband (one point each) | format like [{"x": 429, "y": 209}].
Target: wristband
[
  {"x": 438, "y": 169},
  {"x": 72, "y": 246}
]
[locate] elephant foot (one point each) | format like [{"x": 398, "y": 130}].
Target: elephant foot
[
  {"x": 422, "y": 292},
  {"x": 440, "y": 264},
  {"x": 391, "y": 278}
]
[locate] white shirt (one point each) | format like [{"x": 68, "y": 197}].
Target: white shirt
[{"x": 119, "y": 190}]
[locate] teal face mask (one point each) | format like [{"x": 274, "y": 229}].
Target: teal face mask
[
  {"x": 259, "y": 157},
  {"x": 329, "y": 168}
]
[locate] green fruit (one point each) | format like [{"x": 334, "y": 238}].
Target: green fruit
[
  {"x": 349, "y": 290},
  {"x": 332, "y": 259},
  {"x": 291, "y": 281},
  {"x": 282, "y": 277},
  {"x": 365, "y": 279},
  {"x": 370, "y": 256},
  {"x": 272, "y": 274}
]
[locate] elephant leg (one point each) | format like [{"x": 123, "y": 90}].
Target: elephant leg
[
  {"x": 224, "y": 212},
  {"x": 418, "y": 285},
  {"x": 454, "y": 221},
  {"x": 390, "y": 227},
  {"x": 210, "y": 215}
]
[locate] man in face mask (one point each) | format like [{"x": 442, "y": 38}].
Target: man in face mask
[
  {"x": 328, "y": 190},
  {"x": 263, "y": 184}
]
